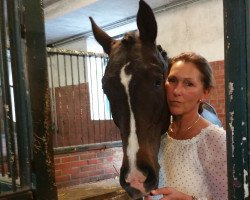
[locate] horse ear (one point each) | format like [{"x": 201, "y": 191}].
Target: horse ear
[
  {"x": 102, "y": 38},
  {"x": 146, "y": 23}
]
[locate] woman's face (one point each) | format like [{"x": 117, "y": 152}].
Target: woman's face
[{"x": 184, "y": 88}]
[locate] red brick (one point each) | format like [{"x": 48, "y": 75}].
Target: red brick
[
  {"x": 80, "y": 175},
  {"x": 63, "y": 178},
  {"x": 64, "y": 166},
  {"x": 96, "y": 173},
  {"x": 87, "y": 156},
  {"x": 71, "y": 171},
  {"x": 88, "y": 168},
  {"x": 70, "y": 159},
  {"x": 94, "y": 161},
  {"x": 57, "y": 160},
  {"x": 79, "y": 163}
]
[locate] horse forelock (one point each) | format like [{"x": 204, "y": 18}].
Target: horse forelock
[{"x": 131, "y": 48}]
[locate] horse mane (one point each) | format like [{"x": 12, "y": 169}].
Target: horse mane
[{"x": 163, "y": 53}]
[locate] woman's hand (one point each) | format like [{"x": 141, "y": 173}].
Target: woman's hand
[
  {"x": 147, "y": 198},
  {"x": 169, "y": 194}
]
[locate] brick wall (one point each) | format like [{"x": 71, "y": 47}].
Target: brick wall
[
  {"x": 217, "y": 95},
  {"x": 89, "y": 166}
]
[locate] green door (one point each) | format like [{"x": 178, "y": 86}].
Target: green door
[{"x": 26, "y": 152}]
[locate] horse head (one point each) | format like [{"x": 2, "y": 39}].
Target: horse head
[{"x": 134, "y": 84}]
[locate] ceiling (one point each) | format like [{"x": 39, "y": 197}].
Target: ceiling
[{"x": 69, "y": 19}]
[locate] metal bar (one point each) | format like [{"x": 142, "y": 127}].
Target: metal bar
[
  {"x": 60, "y": 99},
  {"x": 80, "y": 98},
  {"x": 7, "y": 108},
  {"x": 2, "y": 65},
  {"x": 247, "y": 154},
  {"x": 97, "y": 94},
  {"x": 73, "y": 102},
  {"x": 85, "y": 60},
  {"x": 40, "y": 100},
  {"x": 104, "y": 100},
  {"x": 67, "y": 100},
  {"x": 20, "y": 94},
  {"x": 2, "y": 88},
  {"x": 91, "y": 91},
  {"x": 53, "y": 104},
  {"x": 86, "y": 147},
  {"x": 73, "y": 52},
  {"x": 1, "y": 146},
  {"x": 237, "y": 90},
  {"x": 20, "y": 195}
]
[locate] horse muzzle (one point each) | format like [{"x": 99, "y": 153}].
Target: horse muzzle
[{"x": 138, "y": 183}]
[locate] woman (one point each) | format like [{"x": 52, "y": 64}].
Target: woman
[{"x": 193, "y": 151}]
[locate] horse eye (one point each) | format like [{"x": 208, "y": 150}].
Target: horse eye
[{"x": 158, "y": 82}]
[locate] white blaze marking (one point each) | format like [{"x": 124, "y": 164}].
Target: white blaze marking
[
  {"x": 133, "y": 145},
  {"x": 135, "y": 177}
]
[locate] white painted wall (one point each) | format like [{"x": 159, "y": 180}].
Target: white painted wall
[
  {"x": 195, "y": 27},
  {"x": 78, "y": 45}
]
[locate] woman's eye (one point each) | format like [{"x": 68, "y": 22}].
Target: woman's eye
[
  {"x": 189, "y": 84},
  {"x": 172, "y": 80}
]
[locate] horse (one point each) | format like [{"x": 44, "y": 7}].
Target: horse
[{"x": 134, "y": 84}]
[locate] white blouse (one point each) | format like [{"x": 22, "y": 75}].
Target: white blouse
[{"x": 197, "y": 166}]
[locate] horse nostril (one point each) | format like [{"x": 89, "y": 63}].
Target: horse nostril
[{"x": 151, "y": 181}]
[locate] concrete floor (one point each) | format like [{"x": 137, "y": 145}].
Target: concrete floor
[{"x": 102, "y": 190}]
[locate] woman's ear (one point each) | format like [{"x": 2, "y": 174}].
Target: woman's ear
[{"x": 206, "y": 93}]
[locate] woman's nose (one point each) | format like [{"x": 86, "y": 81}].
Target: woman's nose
[{"x": 177, "y": 90}]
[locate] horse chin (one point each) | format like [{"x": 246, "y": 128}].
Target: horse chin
[{"x": 135, "y": 193}]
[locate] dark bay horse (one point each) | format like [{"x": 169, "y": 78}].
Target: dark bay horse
[{"x": 134, "y": 84}]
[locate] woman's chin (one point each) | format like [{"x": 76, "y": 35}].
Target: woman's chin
[{"x": 176, "y": 112}]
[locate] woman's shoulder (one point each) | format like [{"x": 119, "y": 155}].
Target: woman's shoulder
[
  {"x": 212, "y": 147},
  {"x": 213, "y": 135},
  {"x": 213, "y": 131}
]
